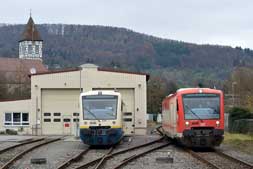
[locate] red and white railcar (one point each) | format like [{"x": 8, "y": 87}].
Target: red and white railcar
[{"x": 194, "y": 116}]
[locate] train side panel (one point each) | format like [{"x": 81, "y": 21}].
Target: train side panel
[{"x": 169, "y": 114}]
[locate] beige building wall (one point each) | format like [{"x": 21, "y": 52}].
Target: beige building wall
[
  {"x": 88, "y": 78},
  {"x": 19, "y": 106}
]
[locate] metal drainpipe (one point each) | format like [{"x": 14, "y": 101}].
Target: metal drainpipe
[
  {"x": 36, "y": 122},
  {"x": 77, "y": 123}
]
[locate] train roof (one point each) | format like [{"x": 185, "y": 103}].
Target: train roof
[
  {"x": 195, "y": 90},
  {"x": 102, "y": 92}
]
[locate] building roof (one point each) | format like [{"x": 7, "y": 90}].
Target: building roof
[
  {"x": 56, "y": 71},
  {"x": 24, "y": 65},
  {"x": 123, "y": 71},
  {"x": 10, "y": 100},
  {"x": 30, "y": 33},
  {"x": 99, "y": 69}
]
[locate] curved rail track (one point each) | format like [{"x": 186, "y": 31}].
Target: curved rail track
[
  {"x": 99, "y": 163},
  {"x": 220, "y": 160},
  {"x": 9, "y": 155}
]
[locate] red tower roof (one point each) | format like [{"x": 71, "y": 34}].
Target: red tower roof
[{"x": 30, "y": 33}]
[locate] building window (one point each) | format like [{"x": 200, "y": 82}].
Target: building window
[
  {"x": 25, "y": 119},
  {"x": 47, "y": 114},
  {"x": 75, "y": 114},
  {"x": 23, "y": 49},
  {"x": 30, "y": 49},
  {"x": 57, "y": 120},
  {"x": 47, "y": 120},
  {"x": 16, "y": 119},
  {"x": 8, "y": 119},
  {"x": 75, "y": 120},
  {"x": 37, "y": 49},
  {"x": 66, "y": 120},
  {"x": 57, "y": 114}
]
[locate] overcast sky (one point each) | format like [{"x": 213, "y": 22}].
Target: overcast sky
[{"x": 224, "y": 22}]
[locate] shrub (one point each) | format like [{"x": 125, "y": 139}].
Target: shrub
[
  {"x": 235, "y": 114},
  {"x": 11, "y": 132}
]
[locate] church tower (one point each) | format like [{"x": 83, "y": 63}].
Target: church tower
[{"x": 30, "y": 44}]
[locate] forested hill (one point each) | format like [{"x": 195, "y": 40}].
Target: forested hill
[{"x": 73, "y": 45}]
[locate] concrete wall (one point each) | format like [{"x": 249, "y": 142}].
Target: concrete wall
[{"x": 16, "y": 106}]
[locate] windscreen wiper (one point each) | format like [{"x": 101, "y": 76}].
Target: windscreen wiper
[
  {"x": 88, "y": 110},
  {"x": 193, "y": 112}
]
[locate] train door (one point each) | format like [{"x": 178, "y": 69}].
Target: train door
[
  {"x": 67, "y": 125},
  {"x": 173, "y": 110}
]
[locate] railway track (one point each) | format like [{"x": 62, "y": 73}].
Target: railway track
[
  {"x": 108, "y": 157},
  {"x": 9, "y": 155},
  {"x": 219, "y": 160}
]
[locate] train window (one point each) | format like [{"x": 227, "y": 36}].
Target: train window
[
  {"x": 127, "y": 119},
  {"x": 66, "y": 120},
  {"x": 57, "y": 120},
  {"x": 75, "y": 114},
  {"x": 76, "y": 120},
  {"x": 47, "y": 114},
  {"x": 127, "y": 113},
  {"x": 47, "y": 120},
  {"x": 57, "y": 114}
]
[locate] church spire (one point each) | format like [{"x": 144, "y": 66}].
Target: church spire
[
  {"x": 30, "y": 33},
  {"x": 30, "y": 44}
]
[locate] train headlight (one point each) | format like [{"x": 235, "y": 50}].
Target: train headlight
[
  {"x": 85, "y": 123},
  {"x": 217, "y": 123},
  {"x": 113, "y": 122},
  {"x": 187, "y": 123}
]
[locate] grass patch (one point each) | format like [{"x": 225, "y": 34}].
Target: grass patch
[{"x": 242, "y": 142}]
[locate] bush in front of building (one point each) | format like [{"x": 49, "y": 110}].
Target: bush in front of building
[
  {"x": 11, "y": 132},
  {"x": 237, "y": 120}
]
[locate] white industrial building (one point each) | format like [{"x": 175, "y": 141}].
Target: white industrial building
[
  {"x": 54, "y": 105},
  {"x": 53, "y": 108}
]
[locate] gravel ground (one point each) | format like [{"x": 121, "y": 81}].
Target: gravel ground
[
  {"x": 58, "y": 152},
  {"x": 181, "y": 160},
  {"x": 55, "y": 153},
  {"x": 235, "y": 153},
  {"x": 6, "y": 156},
  {"x": 115, "y": 160},
  {"x": 7, "y": 141},
  {"x": 126, "y": 143},
  {"x": 5, "y": 144}
]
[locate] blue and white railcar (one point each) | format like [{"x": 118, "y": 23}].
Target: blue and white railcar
[{"x": 101, "y": 118}]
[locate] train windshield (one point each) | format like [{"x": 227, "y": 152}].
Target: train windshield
[
  {"x": 99, "y": 107},
  {"x": 201, "y": 106}
]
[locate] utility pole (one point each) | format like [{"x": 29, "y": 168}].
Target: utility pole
[{"x": 233, "y": 92}]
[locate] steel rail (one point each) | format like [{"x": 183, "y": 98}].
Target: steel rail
[
  {"x": 197, "y": 156},
  {"x": 21, "y": 144},
  {"x": 101, "y": 162},
  {"x": 233, "y": 158},
  {"x": 131, "y": 158},
  {"x": 73, "y": 159},
  {"x": 86, "y": 165},
  {"x": 159, "y": 131},
  {"x": 18, "y": 156}
]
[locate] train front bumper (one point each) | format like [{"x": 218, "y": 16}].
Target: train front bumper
[
  {"x": 100, "y": 136},
  {"x": 203, "y": 137}
]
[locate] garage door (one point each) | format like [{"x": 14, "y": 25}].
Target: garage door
[
  {"x": 59, "y": 111},
  {"x": 128, "y": 108}
]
